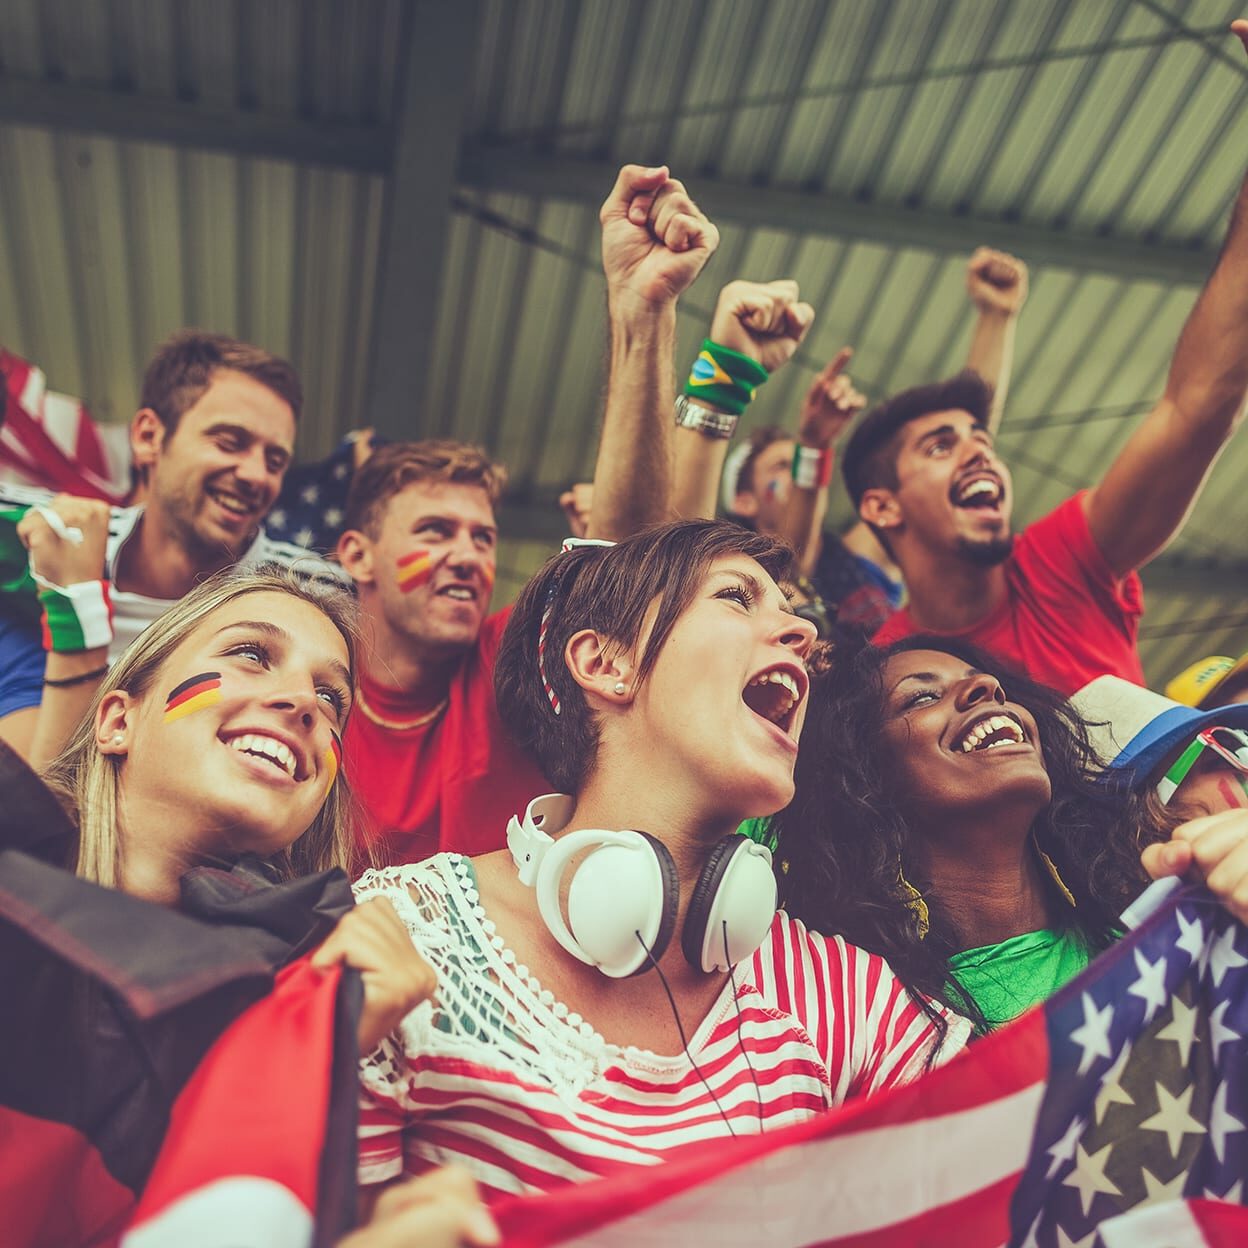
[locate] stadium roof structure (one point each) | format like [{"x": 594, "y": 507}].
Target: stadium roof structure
[{"x": 402, "y": 195}]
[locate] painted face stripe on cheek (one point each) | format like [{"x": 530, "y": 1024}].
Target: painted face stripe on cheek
[
  {"x": 332, "y": 759},
  {"x": 415, "y": 568},
  {"x": 1228, "y": 786},
  {"x": 193, "y": 695}
]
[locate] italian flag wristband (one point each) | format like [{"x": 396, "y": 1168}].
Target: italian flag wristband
[
  {"x": 76, "y": 617},
  {"x": 724, "y": 377},
  {"x": 812, "y": 469}
]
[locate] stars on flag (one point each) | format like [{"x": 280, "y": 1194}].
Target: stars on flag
[{"x": 1147, "y": 1097}]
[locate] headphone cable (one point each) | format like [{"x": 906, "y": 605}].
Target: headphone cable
[
  {"x": 683, "y": 1042},
  {"x": 758, "y": 1091}
]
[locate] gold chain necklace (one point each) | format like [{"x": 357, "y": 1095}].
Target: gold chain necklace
[{"x": 399, "y": 725}]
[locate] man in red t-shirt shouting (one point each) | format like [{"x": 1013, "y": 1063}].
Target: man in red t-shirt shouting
[
  {"x": 1063, "y": 600},
  {"x": 425, "y": 750}
]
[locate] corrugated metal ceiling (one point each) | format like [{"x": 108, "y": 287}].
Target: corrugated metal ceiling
[{"x": 1097, "y": 119}]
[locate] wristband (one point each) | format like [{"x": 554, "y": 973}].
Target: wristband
[
  {"x": 724, "y": 377},
  {"x": 76, "y": 617},
  {"x": 706, "y": 420},
  {"x": 812, "y": 469}
]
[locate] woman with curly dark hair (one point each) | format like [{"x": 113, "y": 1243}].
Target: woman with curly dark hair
[{"x": 948, "y": 815}]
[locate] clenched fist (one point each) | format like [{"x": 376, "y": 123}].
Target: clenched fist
[
  {"x": 996, "y": 281},
  {"x": 763, "y": 320},
  {"x": 59, "y": 559},
  {"x": 655, "y": 239}
]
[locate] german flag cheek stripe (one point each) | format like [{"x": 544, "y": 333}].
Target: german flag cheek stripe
[
  {"x": 193, "y": 695},
  {"x": 415, "y": 568},
  {"x": 332, "y": 760}
]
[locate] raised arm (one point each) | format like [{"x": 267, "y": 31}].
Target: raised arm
[
  {"x": 765, "y": 322},
  {"x": 654, "y": 243},
  {"x": 77, "y": 615},
  {"x": 830, "y": 404},
  {"x": 1147, "y": 491},
  {"x": 997, "y": 285}
]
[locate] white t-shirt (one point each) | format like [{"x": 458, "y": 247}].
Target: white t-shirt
[{"x": 132, "y": 613}]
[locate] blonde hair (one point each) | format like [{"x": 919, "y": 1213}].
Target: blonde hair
[{"x": 87, "y": 781}]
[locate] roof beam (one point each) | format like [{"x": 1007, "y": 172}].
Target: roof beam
[
  {"x": 437, "y": 71},
  {"x": 838, "y": 216},
  {"x": 140, "y": 117}
]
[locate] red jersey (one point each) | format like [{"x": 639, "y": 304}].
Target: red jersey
[
  {"x": 449, "y": 785},
  {"x": 1067, "y": 618}
]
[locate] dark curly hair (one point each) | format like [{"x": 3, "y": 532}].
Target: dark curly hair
[{"x": 844, "y": 843}]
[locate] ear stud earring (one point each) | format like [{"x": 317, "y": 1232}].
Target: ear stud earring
[
  {"x": 620, "y": 687},
  {"x": 119, "y": 738}
]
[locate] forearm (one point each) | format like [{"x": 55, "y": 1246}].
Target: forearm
[
  {"x": 63, "y": 707},
  {"x": 992, "y": 356},
  {"x": 802, "y": 526},
  {"x": 698, "y": 469},
  {"x": 1209, "y": 372},
  {"x": 633, "y": 474}
]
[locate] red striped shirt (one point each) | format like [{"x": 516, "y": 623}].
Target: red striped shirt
[{"x": 499, "y": 1077}]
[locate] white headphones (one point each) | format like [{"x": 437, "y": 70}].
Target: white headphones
[{"x": 627, "y": 887}]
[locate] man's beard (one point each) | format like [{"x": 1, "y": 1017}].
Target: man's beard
[{"x": 988, "y": 553}]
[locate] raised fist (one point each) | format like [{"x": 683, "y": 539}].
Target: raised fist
[
  {"x": 996, "y": 281},
  {"x": 763, "y": 320},
  {"x": 830, "y": 404},
  {"x": 655, "y": 239},
  {"x": 61, "y": 559}
]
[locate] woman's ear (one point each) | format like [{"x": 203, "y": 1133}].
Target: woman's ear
[
  {"x": 114, "y": 722},
  {"x": 600, "y": 667}
]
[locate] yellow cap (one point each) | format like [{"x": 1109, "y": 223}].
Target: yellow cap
[{"x": 1197, "y": 685}]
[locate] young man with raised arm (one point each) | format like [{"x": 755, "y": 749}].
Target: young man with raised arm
[
  {"x": 424, "y": 749},
  {"x": 210, "y": 444},
  {"x": 1063, "y": 600}
]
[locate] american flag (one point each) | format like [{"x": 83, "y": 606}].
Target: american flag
[{"x": 1115, "y": 1114}]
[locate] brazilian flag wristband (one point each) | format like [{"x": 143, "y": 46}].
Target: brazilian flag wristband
[
  {"x": 725, "y": 378},
  {"x": 76, "y": 617}
]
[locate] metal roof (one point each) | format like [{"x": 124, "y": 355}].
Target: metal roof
[{"x": 401, "y": 195}]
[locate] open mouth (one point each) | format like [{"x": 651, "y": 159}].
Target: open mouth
[
  {"x": 269, "y": 750},
  {"x": 989, "y": 733},
  {"x": 775, "y": 694},
  {"x": 980, "y": 492},
  {"x": 458, "y": 593},
  {"x": 231, "y": 504}
]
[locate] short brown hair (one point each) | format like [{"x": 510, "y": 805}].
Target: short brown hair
[
  {"x": 184, "y": 364},
  {"x": 608, "y": 589},
  {"x": 393, "y": 467}
]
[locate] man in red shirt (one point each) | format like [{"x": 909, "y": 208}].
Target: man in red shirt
[
  {"x": 425, "y": 750},
  {"x": 1064, "y": 600}
]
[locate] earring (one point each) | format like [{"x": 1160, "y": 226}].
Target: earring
[
  {"x": 1051, "y": 867},
  {"x": 119, "y": 738},
  {"x": 620, "y": 687},
  {"x": 914, "y": 900}
]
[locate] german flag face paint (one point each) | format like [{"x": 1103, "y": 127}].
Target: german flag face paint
[
  {"x": 331, "y": 760},
  {"x": 415, "y": 568},
  {"x": 193, "y": 695}
]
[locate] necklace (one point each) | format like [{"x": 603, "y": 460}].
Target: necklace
[{"x": 398, "y": 725}]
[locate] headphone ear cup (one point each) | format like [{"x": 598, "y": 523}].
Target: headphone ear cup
[
  {"x": 736, "y": 889},
  {"x": 624, "y": 889}
]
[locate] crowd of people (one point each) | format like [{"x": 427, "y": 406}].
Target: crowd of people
[{"x": 726, "y": 820}]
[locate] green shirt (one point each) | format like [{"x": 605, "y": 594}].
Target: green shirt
[{"x": 1006, "y": 979}]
